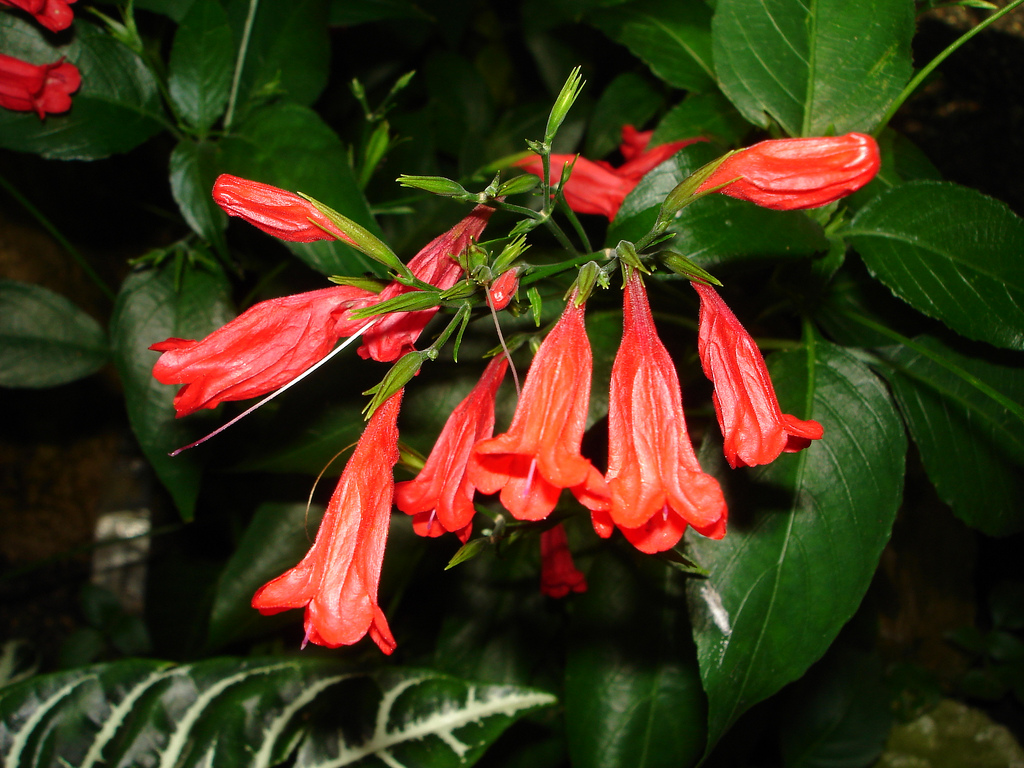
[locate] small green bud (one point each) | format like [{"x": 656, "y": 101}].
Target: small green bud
[
  {"x": 474, "y": 258},
  {"x": 591, "y": 275},
  {"x": 400, "y": 374},
  {"x": 366, "y": 283},
  {"x": 563, "y": 103},
  {"x": 626, "y": 253},
  {"x": 436, "y": 185},
  {"x": 681, "y": 265},
  {"x": 361, "y": 238},
  {"x": 512, "y": 251},
  {"x": 404, "y": 302},
  {"x": 518, "y": 185}
]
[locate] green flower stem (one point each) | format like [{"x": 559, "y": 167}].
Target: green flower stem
[
  {"x": 953, "y": 368},
  {"x": 56, "y": 235},
  {"x": 243, "y": 48},
  {"x": 931, "y": 65},
  {"x": 539, "y": 273}
]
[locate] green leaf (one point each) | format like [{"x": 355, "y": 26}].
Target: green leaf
[
  {"x": 117, "y": 107},
  {"x": 715, "y": 229},
  {"x": 45, "y": 340},
  {"x": 632, "y": 697},
  {"x": 673, "y": 39},
  {"x": 194, "y": 167},
  {"x": 201, "y": 65},
  {"x": 348, "y": 14},
  {"x": 628, "y": 100},
  {"x": 288, "y": 53},
  {"x": 816, "y": 68},
  {"x": 951, "y": 253},
  {"x": 149, "y": 309},
  {"x": 805, "y": 535},
  {"x": 838, "y": 715},
  {"x": 291, "y": 147},
  {"x": 971, "y": 446},
  {"x": 276, "y": 539},
  {"x": 702, "y": 114},
  {"x": 253, "y": 713}
]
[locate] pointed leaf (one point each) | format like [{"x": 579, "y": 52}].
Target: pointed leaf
[
  {"x": 149, "y": 309},
  {"x": 45, "y": 340},
  {"x": 804, "y": 538},
  {"x": 972, "y": 447},
  {"x": 201, "y": 64},
  {"x": 194, "y": 167},
  {"x": 816, "y": 68},
  {"x": 253, "y": 713},
  {"x": 951, "y": 253}
]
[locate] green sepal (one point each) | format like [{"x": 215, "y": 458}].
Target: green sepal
[
  {"x": 436, "y": 185},
  {"x": 361, "y": 238},
  {"x": 518, "y": 185},
  {"x": 366, "y": 283},
  {"x": 398, "y": 376},
  {"x": 682, "y": 266}
]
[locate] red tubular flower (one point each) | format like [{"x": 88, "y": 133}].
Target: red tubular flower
[
  {"x": 790, "y": 174},
  {"x": 55, "y": 15},
  {"x": 395, "y": 334},
  {"x": 441, "y": 497},
  {"x": 558, "y": 573},
  {"x": 539, "y": 455},
  {"x": 657, "y": 487},
  {"x": 756, "y": 430},
  {"x": 275, "y": 211},
  {"x": 262, "y": 349},
  {"x": 336, "y": 582},
  {"x": 43, "y": 89},
  {"x": 597, "y": 186}
]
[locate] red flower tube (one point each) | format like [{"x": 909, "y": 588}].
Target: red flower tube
[
  {"x": 43, "y": 89},
  {"x": 395, "y": 334},
  {"x": 262, "y": 349},
  {"x": 440, "y": 498},
  {"x": 558, "y": 573},
  {"x": 539, "y": 455},
  {"x": 657, "y": 487},
  {"x": 336, "y": 582},
  {"x": 790, "y": 174},
  {"x": 756, "y": 430},
  {"x": 275, "y": 211},
  {"x": 55, "y": 15}
]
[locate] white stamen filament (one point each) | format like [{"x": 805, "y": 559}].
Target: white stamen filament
[{"x": 529, "y": 477}]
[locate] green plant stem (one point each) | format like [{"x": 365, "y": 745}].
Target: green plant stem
[
  {"x": 56, "y": 235},
  {"x": 243, "y": 48},
  {"x": 931, "y": 65},
  {"x": 539, "y": 273},
  {"x": 953, "y": 368}
]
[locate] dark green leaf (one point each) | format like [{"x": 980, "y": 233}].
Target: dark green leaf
[
  {"x": 632, "y": 690},
  {"x": 45, "y": 340},
  {"x": 288, "y": 53},
  {"x": 715, "y": 229},
  {"x": 173, "y": 9},
  {"x": 194, "y": 168},
  {"x": 805, "y": 536},
  {"x": 116, "y": 108},
  {"x": 149, "y": 309},
  {"x": 201, "y": 65},
  {"x": 702, "y": 114},
  {"x": 289, "y": 146},
  {"x": 344, "y": 13},
  {"x": 628, "y": 99},
  {"x": 971, "y": 446},
  {"x": 951, "y": 253},
  {"x": 673, "y": 39},
  {"x": 276, "y": 539},
  {"x": 816, "y": 68},
  {"x": 253, "y": 713}
]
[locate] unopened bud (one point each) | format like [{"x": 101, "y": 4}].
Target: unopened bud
[
  {"x": 436, "y": 185},
  {"x": 503, "y": 289},
  {"x": 591, "y": 275},
  {"x": 519, "y": 185},
  {"x": 563, "y": 103},
  {"x": 361, "y": 238},
  {"x": 400, "y": 374},
  {"x": 512, "y": 251},
  {"x": 403, "y": 302},
  {"x": 683, "y": 266}
]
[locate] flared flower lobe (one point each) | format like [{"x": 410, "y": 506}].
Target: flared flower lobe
[
  {"x": 656, "y": 485},
  {"x": 539, "y": 455},
  {"x": 755, "y": 429},
  {"x": 440, "y": 498},
  {"x": 337, "y": 581},
  {"x": 40, "y": 88}
]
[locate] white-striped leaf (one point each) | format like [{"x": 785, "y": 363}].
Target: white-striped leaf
[{"x": 253, "y": 713}]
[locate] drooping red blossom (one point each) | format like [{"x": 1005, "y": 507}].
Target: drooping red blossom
[
  {"x": 55, "y": 15},
  {"x": 539, "y": 455},
  {"x": 656, "y": 485},
  {"x": 791, "y": 174},
  {"x": 395, "y": 334},
  {"x": 336, "y": 582},
  {"x": 598, "y": 187},
  {"x": 755, "y": 429},
  {"x": 43, "y": 88},
  {"x": 558, "y": 573},
  {"x": 440, "y": 498},
  {"x": 262, "y": 349},
  {"x": 503, "y": 289},
  {"x": 276, "y": 211}
]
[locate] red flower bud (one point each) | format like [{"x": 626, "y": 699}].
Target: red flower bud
[
  {"x": 43, "y": 89},
  {"x": 503, "y": 289},
  {"x": 276, "y": 211},
  {"x": 558, "y": 573},
  {"x": 791, "y": 174},
  {"x": 55, "y": 15}
]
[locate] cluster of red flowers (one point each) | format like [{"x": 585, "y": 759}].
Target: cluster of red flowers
[
  {"x": 653, "y": 487},
  {"x": 39, "y": 88}
]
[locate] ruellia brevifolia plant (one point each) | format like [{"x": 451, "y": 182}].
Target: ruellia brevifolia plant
[{"x": 609, "y": 460}]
